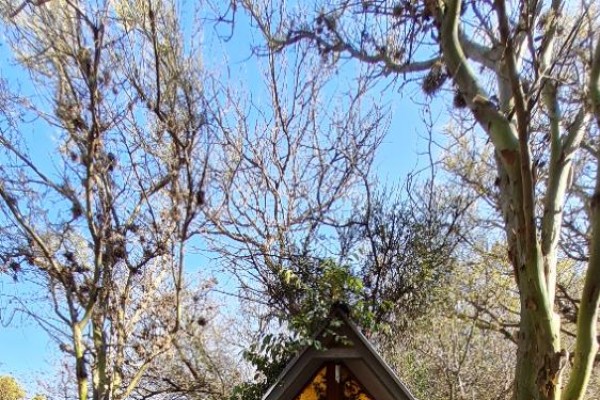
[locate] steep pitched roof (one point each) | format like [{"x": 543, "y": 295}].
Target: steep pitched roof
[{"x": 355, "y": 352}]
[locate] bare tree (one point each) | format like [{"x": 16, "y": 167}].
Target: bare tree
[
  {"x": 205, "y": 360},
  {"x": 102, "y": 224},
  {"x": 283, "y": 179}
]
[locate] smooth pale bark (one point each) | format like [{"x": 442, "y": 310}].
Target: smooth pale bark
[
  {"x": 539, "y": 356},
  {"x": 586, "y": 345}
]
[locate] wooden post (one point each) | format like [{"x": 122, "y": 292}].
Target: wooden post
[{"x": 333, "y": 379}]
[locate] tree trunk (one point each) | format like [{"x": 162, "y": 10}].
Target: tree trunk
[
  {"x": 586, "y": 346},
  {"x": 80, "y": 367},
  {"x": 539, "y": 357}
]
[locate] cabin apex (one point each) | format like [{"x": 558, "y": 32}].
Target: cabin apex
[{"x": 348, "y": 369}]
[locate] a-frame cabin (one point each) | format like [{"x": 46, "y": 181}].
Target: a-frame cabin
[{"x": 347, "y": 368}]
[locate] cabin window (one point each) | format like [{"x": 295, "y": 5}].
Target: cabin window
[{"x": 334, "y": 381}]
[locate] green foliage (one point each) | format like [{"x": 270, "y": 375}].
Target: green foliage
[
  {"x": 420, "y": 376},
  {"x": 331, "y": 284},
  {"x": 10, "y": 389},
  {"x": 320, "y": 285},
  {"x": 396, "y": 259}
]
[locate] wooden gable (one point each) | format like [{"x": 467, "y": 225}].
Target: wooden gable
[{"x": 347, "y": 368}]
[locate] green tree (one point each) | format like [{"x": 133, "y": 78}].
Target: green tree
[
  {"x": 528, "y": 73},
  {"x": 395, "y": 259},
  {"x": 464, "y": 346},
  {"x": 330, "y": 285},
  {"x": 10, "y": 389}
]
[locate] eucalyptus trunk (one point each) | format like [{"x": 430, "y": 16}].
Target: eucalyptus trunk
[{"x": 532, "y": 247}]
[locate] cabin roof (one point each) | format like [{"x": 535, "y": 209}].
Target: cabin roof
[{"x": 354, "y": 351}]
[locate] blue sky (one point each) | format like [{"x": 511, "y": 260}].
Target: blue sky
[{"x": 25, "y": 350}]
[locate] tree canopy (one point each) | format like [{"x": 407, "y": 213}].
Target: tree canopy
[
  {"x": 10, "y": 389},
  {"x": 155, "y": 157}
]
